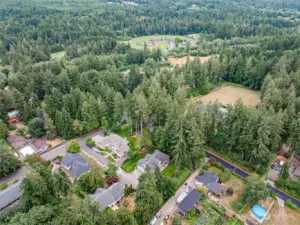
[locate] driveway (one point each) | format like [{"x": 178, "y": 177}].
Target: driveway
[
  {"x": 59, "y": 151},
  {"x": 16, "y": 175},
  {"x": 171, "y": 206},
  {"x": 129, "y": 178}
]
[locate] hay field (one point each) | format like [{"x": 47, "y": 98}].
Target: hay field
[
  {"x": 229, "y": 94},
  {"x": 182, "y": 61}
]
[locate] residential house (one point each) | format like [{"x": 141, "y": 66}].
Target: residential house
[
  {"x": 157, "y": 158},
  {"x": 76, "y": 165},
  {"x": 117, "y": 144},
  {"x": 189, "y": 202},
  {"x": 210, "y": 182},
  {"x": 16, "y": 141},
  {"x": 9, "y": 195},
  {"x": 40, "y": 145},
  {"x": 110, "y": 196}
]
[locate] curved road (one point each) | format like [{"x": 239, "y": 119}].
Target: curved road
[{"x": 242, "y": 173}]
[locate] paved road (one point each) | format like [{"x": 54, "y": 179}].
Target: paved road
[
  {"x": 16, "y": 175},
  {"x": 171, "y": 206},
  {"x": 235, "y": 169}
]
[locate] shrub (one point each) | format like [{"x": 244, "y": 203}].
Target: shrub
[
  {"x": 128, "y": 190},
  {"x": 103, "y": 153},
  {"x": 225, "y": 175},
  {"x": 49, "y": 145},
  {"x": 60, "y": 157},
  {"x": 3, "y": 186},
  {"x": 115, "y": 155},
  {"x": 219, "y": 165},
  {"x": 176, "y": 221},
  {"x": 202, "y": 190},
  {"x": 107, "y": 132},
  {"x": 90, "y": 142},
  {"x": 107, "y": 149},
  {"x": 74, "y": 147},
  {"x": 212, "y": 161},
  {"x": 146, "y": 138},
  {"x": 112, "y": 180},
  {"x": 125, "y": 129},
  {"x": 206, "y": 166},
  {"x": 291, "y": 205},
  {"x": 12, "y": 126},
  {"x": 110, "y": 158}
]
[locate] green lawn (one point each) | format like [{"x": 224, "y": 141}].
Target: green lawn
[
  {"x": 162, "y": 45},
  {"x": 178, "y": 176},
  {"x": 215, "y": 170},
  {"x": 58, "y": 55},
  {"x": 130, "y": 164},
  {"x": 134, "y": 142}
]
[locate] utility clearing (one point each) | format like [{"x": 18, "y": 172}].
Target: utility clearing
[{"x": 229, "y": 94}]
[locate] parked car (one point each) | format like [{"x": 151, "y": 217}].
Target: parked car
[
  {"x": 185, "y": 185},
  {"x": 187, "y": 190},
  {"x": 152, "y": 222},
  {"x": 158, "y": 215}
]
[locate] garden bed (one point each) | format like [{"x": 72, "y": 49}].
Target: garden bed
[{"x": 130, "y": 164}]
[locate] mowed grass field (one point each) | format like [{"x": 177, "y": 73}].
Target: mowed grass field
[
  {"x": 138, "y": 43},
  {"x": 229, "y": 94},
  {"x": 58, "y": 55}
]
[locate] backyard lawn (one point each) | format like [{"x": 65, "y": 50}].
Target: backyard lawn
[
  {"x": 58, "y": 55},
  {"x": 129, "y": 165},
  {"x": 178, "y": 176},
  {"x": 215, "y": 170}
]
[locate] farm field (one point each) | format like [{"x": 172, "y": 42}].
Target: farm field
[
  {"x": 229, "y": 94},
  {"x": 154, "y": 41},
  {"x": 183, "y": 60},
  {"x": 58, "y": 55}
]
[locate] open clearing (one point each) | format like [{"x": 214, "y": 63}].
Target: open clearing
[
  {"x": 283, "y": 216},
  {"x": 228, "y": 94},
  {"x": 163, "y": 42},
  {"x": 182, "y": 61},
  {"x": 58, "y": 55}
]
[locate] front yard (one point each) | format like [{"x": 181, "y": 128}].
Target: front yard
[
  {"x": 178, "y": 176},
  {"x": 130, "y": 164}
]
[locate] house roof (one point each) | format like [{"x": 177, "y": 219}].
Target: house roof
[
  {"x": 10, "y": 194},
  {"x": 38, "y": 144},
  {"x": 16, "y": 141},
  {"x": 76, "y": 164},
  {"x": 189, "y": 201},
  {"x": 27, "y": 150},
  {"x": 152, "y": 160},
  {"x": 207, "y": 178},
  {"x": 118, "y": 144},
  {"x": 297, "y": 171},
  {"x": 215, "y": 187},
  {"x": 108, "y": 196}
]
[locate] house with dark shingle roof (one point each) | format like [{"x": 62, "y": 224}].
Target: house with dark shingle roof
[
  {"x": 189, "y": 202},
  {"x": 210, "y": 182},
  {"x": 110, "y": 196},
  {"x": 10, "y": 195},
  {"x": 75, "y": 164},
  {"x": 16, "y": 141},
  {"x": 156, "y": 159}
]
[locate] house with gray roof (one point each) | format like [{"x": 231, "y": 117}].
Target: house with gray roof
[
  {"x": 110, "y": 196},
  {"x": 117, "y": 144},
  {"x": 210, "y": 182},
  {"x": 157, "y": 158},
  {"x": 10, "y": 195},
  {"x": 75, "y": 164},
  {"x": 189, "y": 202}
]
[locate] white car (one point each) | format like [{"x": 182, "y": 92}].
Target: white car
[
  {"x": 158, "y": 215},
  {"x": 187, "y": 190},
  {"x": 152, "y": 222}
]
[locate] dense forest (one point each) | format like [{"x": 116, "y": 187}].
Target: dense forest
[{"x": 254, "y": 43}]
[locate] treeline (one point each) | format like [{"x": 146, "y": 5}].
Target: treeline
[{"x": 29, "y": 34}]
